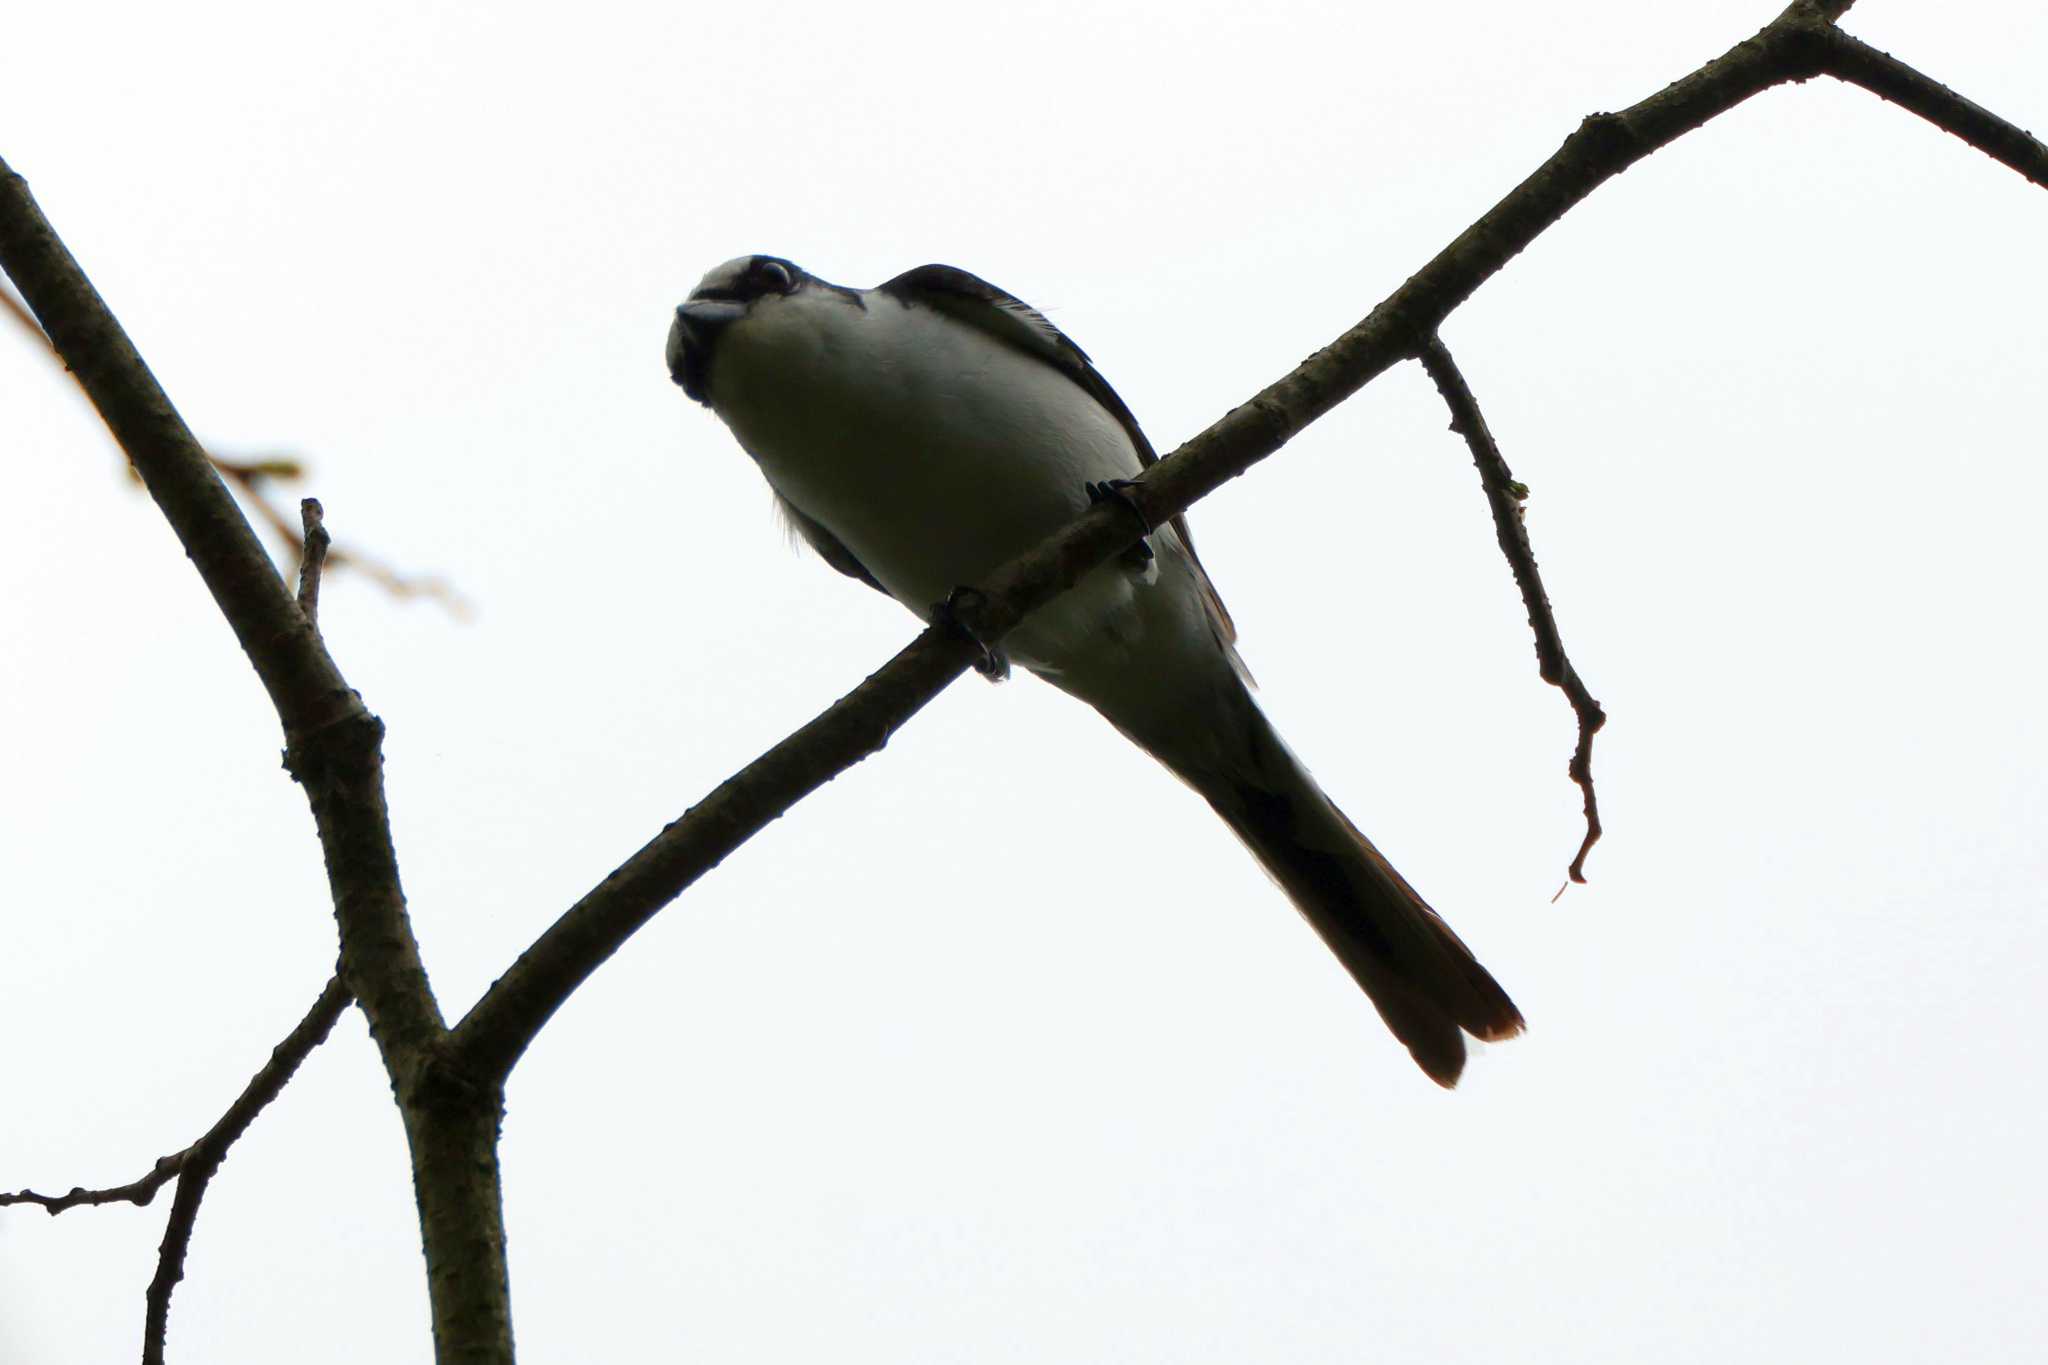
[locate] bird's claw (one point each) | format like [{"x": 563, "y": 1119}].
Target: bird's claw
[
  {"x": 1114, "y": 490},
  {"x": 993, "y": 663}
]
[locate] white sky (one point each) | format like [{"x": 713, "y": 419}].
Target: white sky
[{"x": 1000, "y": 1049}]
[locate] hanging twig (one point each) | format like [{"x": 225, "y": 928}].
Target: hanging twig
[{"x": 1505, "y": 497}]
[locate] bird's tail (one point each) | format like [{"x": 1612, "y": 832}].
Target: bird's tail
[{"x": 1424, "y": 981}]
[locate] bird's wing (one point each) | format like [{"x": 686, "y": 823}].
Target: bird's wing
[
  {"x": 974, "y": 301},
  {"x": 828, "y": 546}
]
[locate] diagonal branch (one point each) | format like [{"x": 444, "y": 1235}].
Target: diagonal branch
[
  {"x": 501, "y": 1025},
  {"x": 1851, "y": 59},
  {"x": 198, "y": 1162},
  {"x": 1504, "y": 497},
  {"x": 195, "y": 1166}
]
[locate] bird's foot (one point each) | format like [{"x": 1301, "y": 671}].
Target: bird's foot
[
  {"x": 1114, "y": 490},
  {"x": 993, "y": 663}
]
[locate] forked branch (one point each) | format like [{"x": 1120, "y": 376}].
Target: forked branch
[
  {"x": 193, "y": 1167},
  {"x": 200, "y": 1160}
]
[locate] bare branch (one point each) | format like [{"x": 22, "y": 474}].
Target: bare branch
[
  {"x": 195, "y": 1166},
  {"x": 203, "y": 1158},
  {"x": 329, "y": 734},
  {"x": 1855, "y": 61},
  {"x": 313, "y": 559},
  {"x": 1505, "y": 497},
  {"x": 499, "y": 1027},
  {"x": 138, "y": 1192},
  {"x": 254, "y": 480},
  {"x": 332, "y": 747}
]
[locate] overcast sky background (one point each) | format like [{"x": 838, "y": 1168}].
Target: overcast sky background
[{"x": 1000, "y": 1049}]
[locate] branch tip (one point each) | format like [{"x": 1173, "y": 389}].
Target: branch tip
[{"x": 313, "y": 559}]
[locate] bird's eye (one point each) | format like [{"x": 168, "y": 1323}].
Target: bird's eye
[{"x": 775, "y": 275}]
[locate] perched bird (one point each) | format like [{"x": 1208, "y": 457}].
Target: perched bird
[{"x": 920, "y": 433}]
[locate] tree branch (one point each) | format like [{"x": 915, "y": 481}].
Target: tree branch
[
  {"x": 195, "y": 1166},
  {"x": 199, "y": 1161},
  {"x": 501, "y": 1025},
  {"x": 302, "y": 681},
  {"x": 1852, "y": 60},
  {"x": 312, "y": 559},
  {"x": 138, "y": 1192},
  {"x": 328, "y": 731},
  {"x": 254, "y": 478},
  {"x": 1504, "y": 497},
  {"x": 333, "y": 749}
]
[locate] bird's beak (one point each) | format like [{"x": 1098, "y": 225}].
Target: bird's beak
[{"x": 697, "y": 324}]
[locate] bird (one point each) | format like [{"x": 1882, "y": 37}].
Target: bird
[{"x": 920, "y": 433}]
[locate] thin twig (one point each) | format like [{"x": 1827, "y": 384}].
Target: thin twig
[
  {"x": 313, "y": 559},
  {"x": 137, "y": 1192},
  {"x": 253, "y": 480},
  {"x": 1505, "y": 497},
  {"x": 203, "y": 1157},
  {"x": 195, "y": 1166}
]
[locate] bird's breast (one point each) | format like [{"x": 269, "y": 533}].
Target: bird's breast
[{"x": 930, "y": 450}]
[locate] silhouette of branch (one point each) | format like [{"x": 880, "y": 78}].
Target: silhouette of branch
[
  {"x": 1505, "y": 497},
  {"x": 1852, "y": 60},
  {"x": 138, "y": 1192},
  {"x": 193, "y": 1167},
  {"x": 198, "y": 1162},
  {"x": 331, "y": 738},
  {"x": 254, "y": 478},
  {"x": 312, "y": 559},
  {"x": 333, "y": 748}
]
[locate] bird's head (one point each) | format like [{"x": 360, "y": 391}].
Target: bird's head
[{"x": 720, "y": 299}]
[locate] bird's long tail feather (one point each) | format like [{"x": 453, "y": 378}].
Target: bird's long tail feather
[{"x": 1425, "y": 982}]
